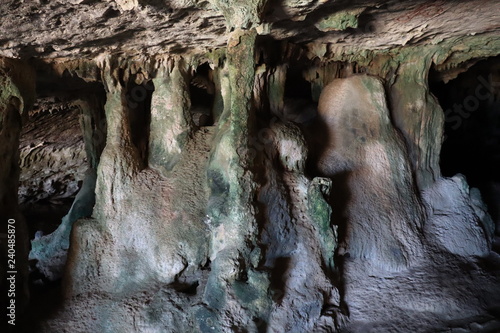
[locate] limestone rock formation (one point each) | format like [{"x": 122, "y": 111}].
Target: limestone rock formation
[
  {"x": 250, "y": 166},
  {"x": 364, "y": 153}
]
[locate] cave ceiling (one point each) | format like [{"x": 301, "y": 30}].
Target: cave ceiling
[{"x": 88, "y": 28}]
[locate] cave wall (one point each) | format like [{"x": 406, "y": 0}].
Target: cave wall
[
  {"x": 267, "y": 220},
  {"x": 312, "y": 201}
]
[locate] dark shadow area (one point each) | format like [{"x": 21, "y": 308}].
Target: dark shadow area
[
  {"x": 317, "y": 139},
  {"x": 139, "y": 112},
  {"x": 68, "y": 87},
  {"x": 295, "y": 85},
  {"x": 471, "y": 103},
  {"x": 45, "y": 300},
  {"x": 45, "y": 215},
  {"x": 299, "y": 106},
  {"x": 278, "y": 273},
  {"x": 189, "y": 289},
  {"x": 202, "y": 92}
]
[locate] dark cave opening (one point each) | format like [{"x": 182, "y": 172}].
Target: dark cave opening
[
  {"x": 61, "y": 138},
  {"x": 296, "y": 86},
  {"x": 202, "y": 93},
  {"x": 56, "y": 147},
  {"x": 471, "y": 146},
  {"x": 299, "y": 105},
  {"x": 139, "y": 112}
]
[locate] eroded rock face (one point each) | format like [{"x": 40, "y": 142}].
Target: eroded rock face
[
  {"x": 459, "y": 222},
  {"x": 52, "y": 154},
  {"x": 311, "y": 201},
  {"x": 364, "y": 154},
  {"x": 299, "y": 237},
  {"x": 59, "y": 27},
  {"x": 16, "y": 98},
  {"x": 177, "y": 231},
  {"x": 87, "y": 28}
]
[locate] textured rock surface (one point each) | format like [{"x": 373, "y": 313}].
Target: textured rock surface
[
  {"x": 299, "y": 237},
  {"x": 170, "y": 120},
  {"x": 365, "y": 155},
  {"x": 177, "y": 234},
  {"x": 87, "y": 28},
  {"x": 81, "y": 28},
  {"x": 309, "y": 199},
  {"x": 468, "y": 233},
  {"x": 52, "y": 155}
]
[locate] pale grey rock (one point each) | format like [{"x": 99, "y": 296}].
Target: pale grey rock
[
  {"x": 121, "y": 249},
  {"x": 170, "y": 121},
  {"x": 50, "y": 251},
  {"x": 300, "y": 238},
  {"x": 459, "y": 222}
]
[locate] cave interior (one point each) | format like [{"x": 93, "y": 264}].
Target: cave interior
[{"x": 269, "y": 166}]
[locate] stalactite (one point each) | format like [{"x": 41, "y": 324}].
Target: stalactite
[
  {"x": 93, "y": 124},
  {"x": 170, "y": 118},
  {"x": 419, "y": 117},
  {"x": 120, "y": 157}
]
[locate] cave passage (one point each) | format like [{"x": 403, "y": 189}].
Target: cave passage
[
  {"x": 471, "y": 146},
  {"x": 44, "y": 210},
  {"x": 296, "y": 86},
  {"x": 139, "y": 113},
  {"x": 202, "y": 92},
  {"x": 250, "y": 166},
  {"x": 60, "y": 140},
  {"x": 57, "y": 146}
]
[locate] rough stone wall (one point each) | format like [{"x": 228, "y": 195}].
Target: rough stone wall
[
  {"x": 288, "y": 251},
  {"x": 52, "y": 154},
  {"x": 279, "y": 217}
]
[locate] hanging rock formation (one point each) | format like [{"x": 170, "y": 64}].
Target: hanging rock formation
[{"x": 258, "y": 166}]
